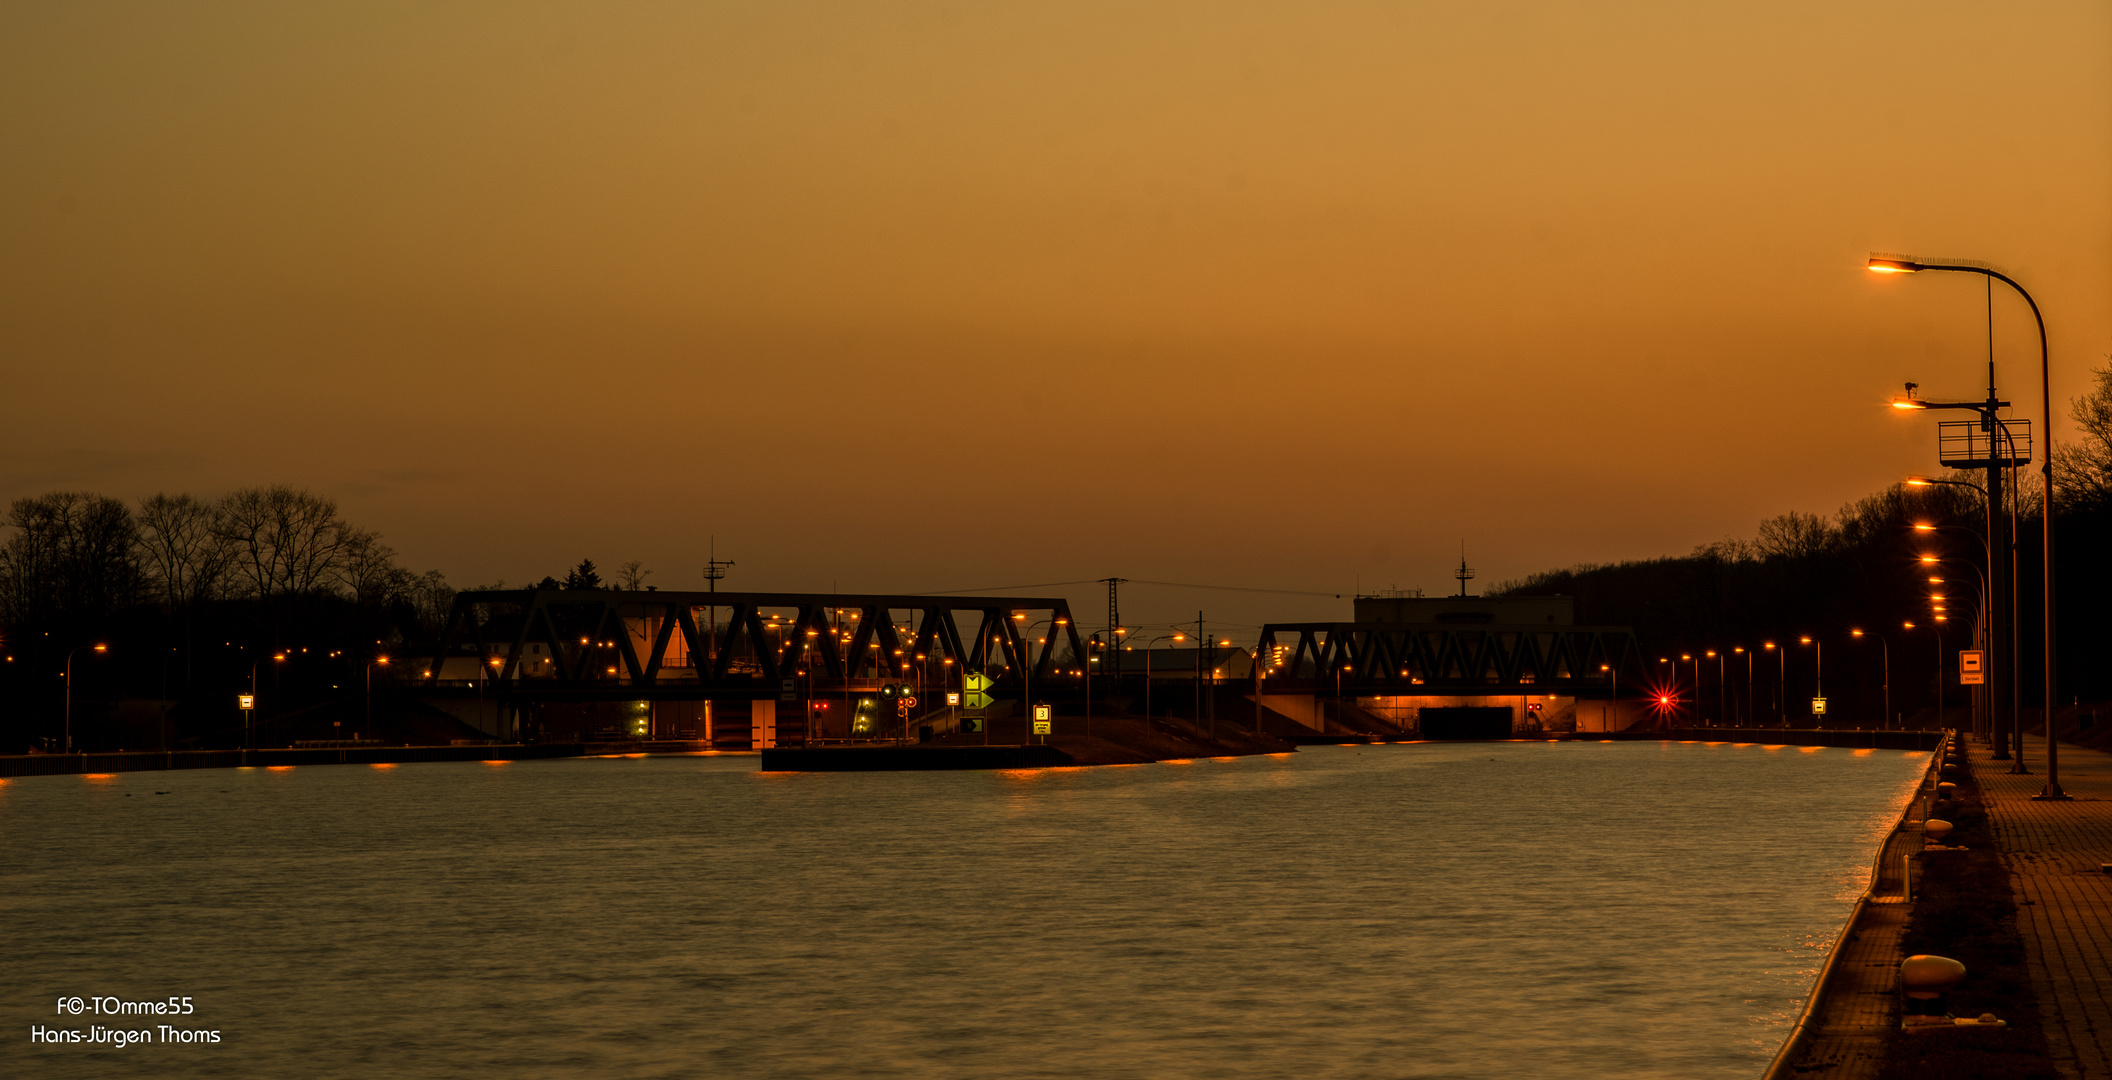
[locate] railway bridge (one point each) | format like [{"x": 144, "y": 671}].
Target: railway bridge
[{"x": 767, "y": 666}]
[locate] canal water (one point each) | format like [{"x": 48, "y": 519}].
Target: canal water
[{"x": 1461, "y": 910}]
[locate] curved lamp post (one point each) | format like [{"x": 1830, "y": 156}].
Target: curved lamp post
[
  {"x": 1026, "y": 672},
  {"x": 2000, "y": 741},
  {"x": 1818, "y": 673},
  {"x": 1147, "y": 666},
  {"x": 1884, "y": 719},
  {"x": 69, "y": 687},
  {"x": 1909, "y": 266},
  {"x": 1781, "y": 682}
]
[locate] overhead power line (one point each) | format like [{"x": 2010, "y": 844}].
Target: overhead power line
[{"x": 1234, "y": 588}]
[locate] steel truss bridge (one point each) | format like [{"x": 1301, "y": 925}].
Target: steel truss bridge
[
  {"x": 606, "y": 645},
  {"x": 588, "y": 645},
  {"x": 1409, "y": 660}
]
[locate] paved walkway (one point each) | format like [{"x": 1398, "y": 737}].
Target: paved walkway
[
  {"x": 2055, "y": 852},
  {"x": 1861, "y": 1003}
]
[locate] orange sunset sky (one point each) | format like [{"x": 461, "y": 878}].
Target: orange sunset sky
[{"x": 902, "y": 296}]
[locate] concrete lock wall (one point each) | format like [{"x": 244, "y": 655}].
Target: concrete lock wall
[
  {"x": 1556, "y": 712},
  {"x": 762, "y": 725},
  {"x": 1304, "y": 708}
]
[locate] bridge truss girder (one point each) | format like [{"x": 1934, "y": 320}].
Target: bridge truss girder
[
  {"x": 591, "y": 647},
  {"x": 1420, "y": 659}
]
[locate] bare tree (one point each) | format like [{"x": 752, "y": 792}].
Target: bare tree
[
  {"x": 1730, "y": 549},
  {"x": 71, "y": 552},
  {"x": 432, "y": 599},
  {"x": 2085, "y": 463},
  {"x": 185, "y": 556},
  {"x": 285, "y": 542},
  {"x": 631, "y": 576},
  {"x": 1794, "y": 536},
  {"x": 367, "y": 567}
]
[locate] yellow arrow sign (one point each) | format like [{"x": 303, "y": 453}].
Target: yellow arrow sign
[{"x": 975, "y": 692}]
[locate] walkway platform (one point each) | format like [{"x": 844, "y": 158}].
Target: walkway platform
[
  {"x": 1858, "y": 998},
  {"x": 2056, "y": 853}
]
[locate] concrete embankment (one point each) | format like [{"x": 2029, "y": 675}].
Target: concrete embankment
[
  {"x": 157, "y": 760},
  {"x": 1843, "y": 1030},
  {"x": 911, "y": 758},
  {"x": 1851, "y": 738}
]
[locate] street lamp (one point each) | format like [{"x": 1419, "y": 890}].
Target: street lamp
[
  {"x": 1980, "y": 629},
  {"x": 1885, "y": 649},
  {"x": 1747, "y": 719},
  {"x": 1664, "y": 700},
  {"x": 1613, "y": 698},
  {"x": 1689, "y": 658},
  {"x": 1026, "y": 664},
  {"x": 1781, "y": 683},
  {"x": 1818, "y": 690},
  {"x": 1147, "y": 665},
  {"x": 2013, "y": 732},
  {"x": 1938, "y": 630},
  {"x": 379, "y": 661},
  {"x": 1722, "y": 690},
  {"x": 276, "y": 658},
  {"x": 2053, "y": 742},
  {"x": 69, "y": 687}
]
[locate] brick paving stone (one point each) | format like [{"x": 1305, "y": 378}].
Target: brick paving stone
[{"x": 2056, "y": 852}]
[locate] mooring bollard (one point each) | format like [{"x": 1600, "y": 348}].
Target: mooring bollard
[
  {"x": 1935, "y": 829},
  {"x": 1924, "y": 982}
]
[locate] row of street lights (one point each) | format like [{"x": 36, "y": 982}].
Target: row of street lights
[
  {"x": 1886, "y": 265},
  {"x": 249, "y": 733},
  {"x": 1818, "y": 646}
]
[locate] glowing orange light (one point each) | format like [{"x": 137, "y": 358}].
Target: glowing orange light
[{"x": 1892, "y": 266}]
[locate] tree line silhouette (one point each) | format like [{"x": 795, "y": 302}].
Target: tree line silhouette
[
  {"x": 194, "y": 598},
  {"x": 1806, "y": 575}
]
